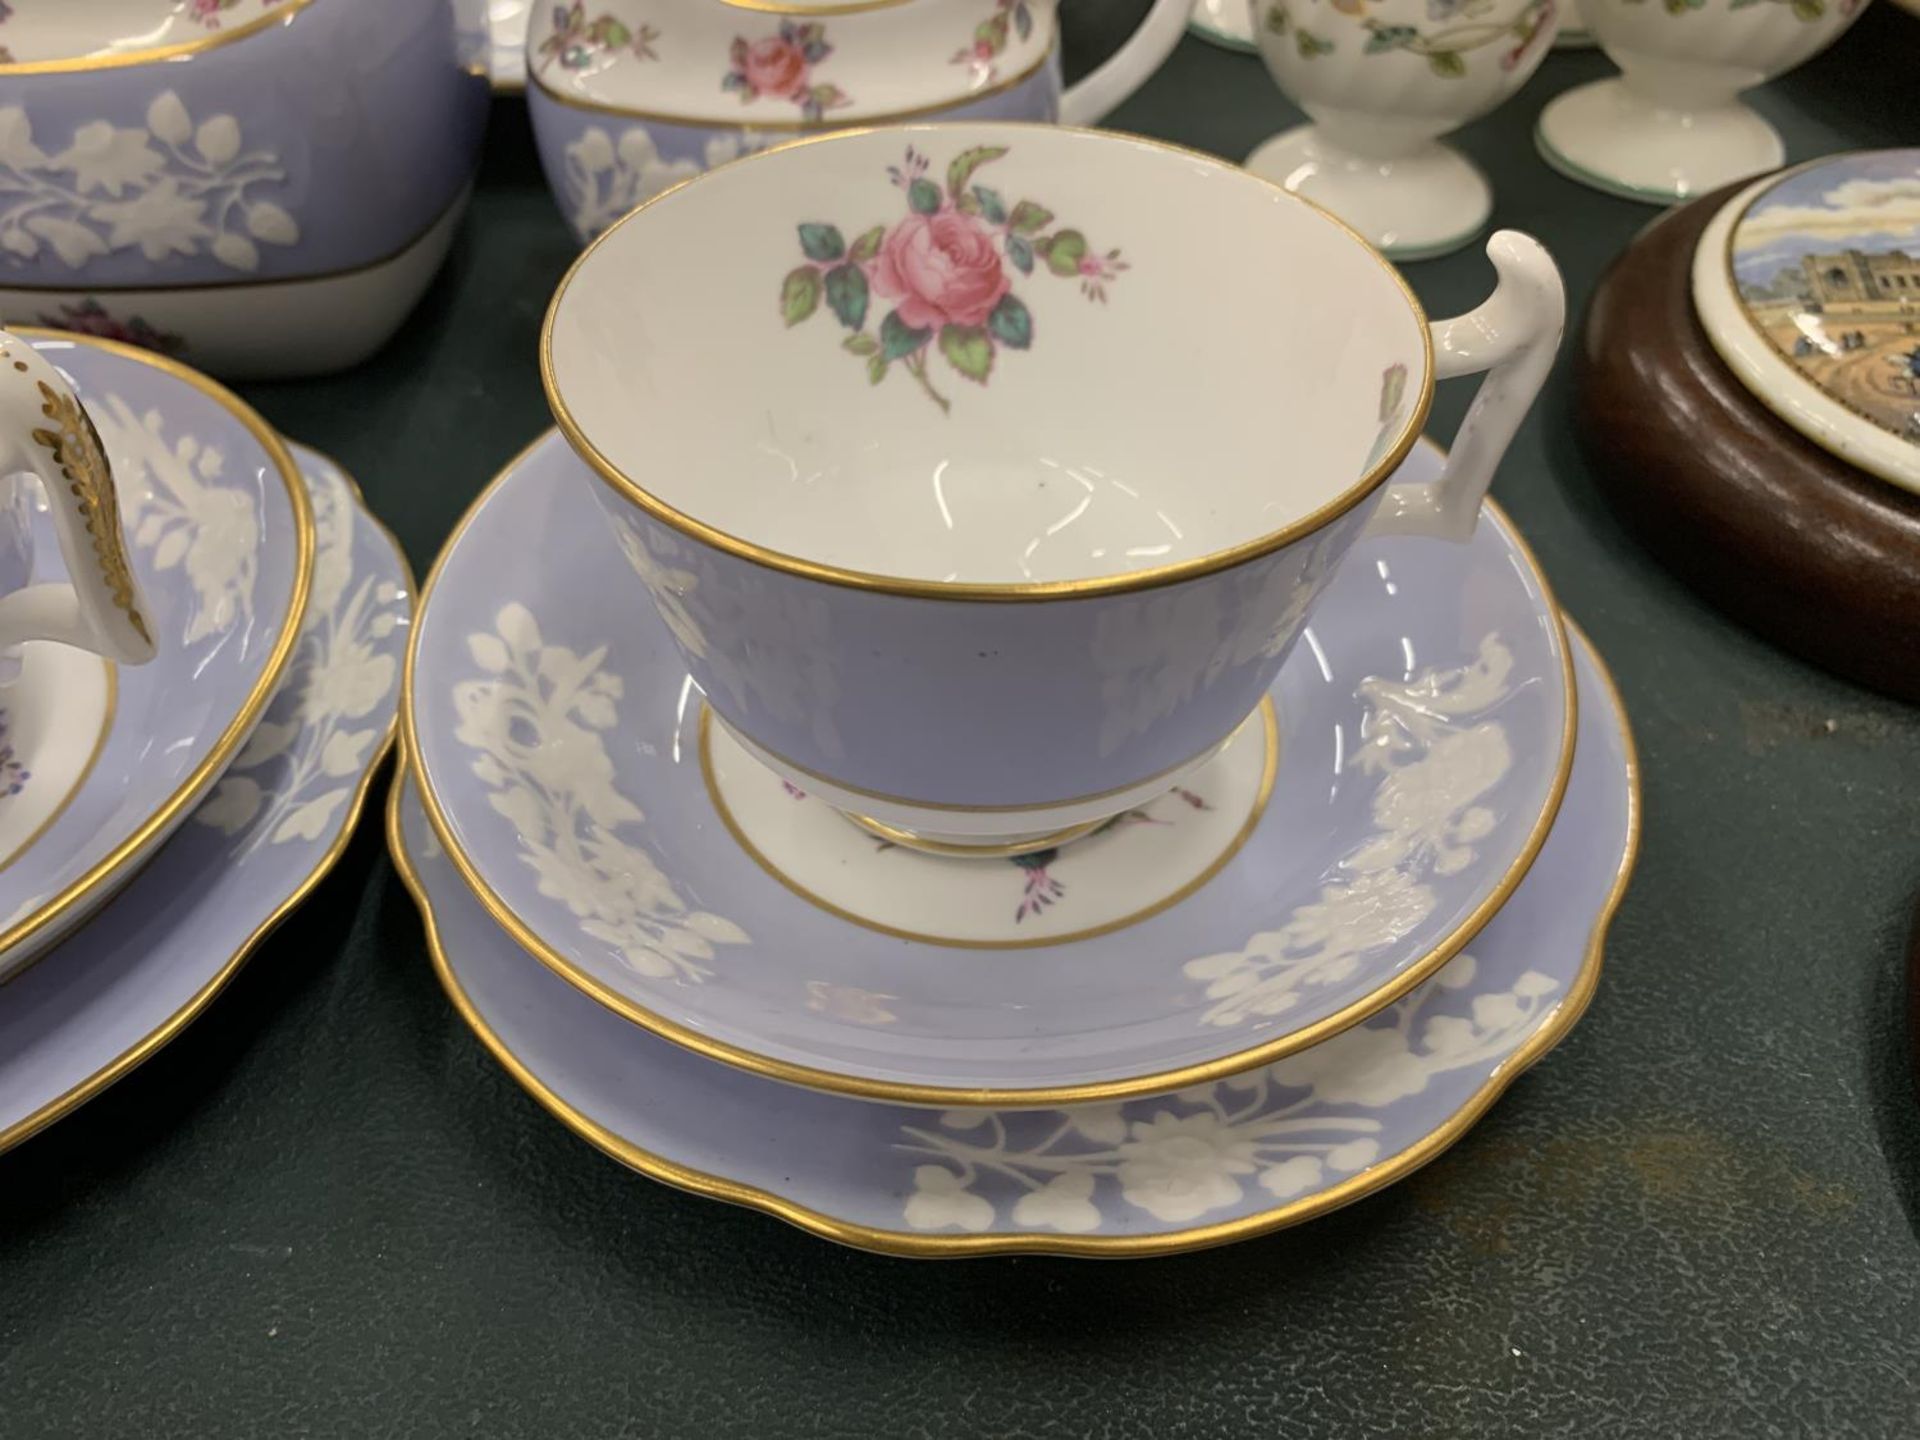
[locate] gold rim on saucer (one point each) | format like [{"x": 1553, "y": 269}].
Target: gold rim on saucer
[
  {"x": 1131, "y": 580},
  {"x": 1558, "y": 1023},
  {"x": 119, "y": 59},
  {"x": 136, "y": 1055},
  {"x": 106, "y": 871},
  {"x": 941, "y": 1095}
]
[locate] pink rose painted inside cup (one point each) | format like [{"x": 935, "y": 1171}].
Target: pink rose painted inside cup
[
  {"x": 951, "y": 264},
  {"x": 944, "y": 269}
]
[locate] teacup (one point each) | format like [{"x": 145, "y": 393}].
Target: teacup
[
  {"x": 986, "y": 474},
  {"x": 1382, "y": 82},
  {"x": 45, "y": 432},
  {"x": 1670, "y": 125}
]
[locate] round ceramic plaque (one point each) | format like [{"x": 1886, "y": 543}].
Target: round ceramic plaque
[
  {"x": 1807, "y": 283},
  {"x": 1810, "y": 550}
]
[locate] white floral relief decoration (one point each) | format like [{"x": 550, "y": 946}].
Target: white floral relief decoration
[
  {"x": 536, "y": 720},
  {"x": 1290, "y": 1128},
  {"x": 174, "y": 505},
  {"x": 332, "y": 709},
  {"x": 172, "y": 188},
  {"x": 789, "y": 679},
  {"x": 606, "y": 179},
  {"x": 1432, "y": 767},
  {"x": 850, "y": 1003},
  {"x": 1180, "y": 640}
]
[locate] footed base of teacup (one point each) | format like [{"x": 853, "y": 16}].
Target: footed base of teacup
[
  {"x": 1116, "y": 871},
  {"x": 1429, "y": 202},
  {"x": 948, "y": 849},
  {"x": 983, "y": 832},
  {"x": 1609, "y": 136}
]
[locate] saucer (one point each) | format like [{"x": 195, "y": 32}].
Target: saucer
[
  {"x": 219, "y": 529},
  {"x": 119, "y": 988},
  {"x": 1328, "y": 861},
  {"x": 1213, "y": 1163}
]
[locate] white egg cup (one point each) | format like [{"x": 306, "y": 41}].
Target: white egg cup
[
  {"x": 1670, "y": 126},
  {"x": 1382, "y": 82}
]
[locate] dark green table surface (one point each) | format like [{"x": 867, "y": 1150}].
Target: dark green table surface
[{"x": 324, "y": 1211}]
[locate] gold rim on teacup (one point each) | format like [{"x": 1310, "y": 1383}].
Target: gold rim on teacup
[{"x": 1126, "y": 581}]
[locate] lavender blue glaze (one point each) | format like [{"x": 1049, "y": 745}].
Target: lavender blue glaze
[
  {"x": 372, "y": 122},
  {"x": 587, "y": 195},
  {"x": 141, "y": 962},
  {"x": 172, "y": 711},
  {"x": 1149, "y": 679},
  {"x": 1119, "y": 1006},
  {"x": 1356, "y": 1106}
]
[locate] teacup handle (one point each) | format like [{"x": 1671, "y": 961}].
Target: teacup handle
[
  {"x": 1513, "y": 337},
  {"x": 1088, "y": 100},
  {"x": 44, "y": 429}
]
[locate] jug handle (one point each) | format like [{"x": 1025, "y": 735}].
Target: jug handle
[
  {"x": 1513, "y": 336},
  {"x": 45, "y": 431},
  {"x": 1088, "y": 101}
]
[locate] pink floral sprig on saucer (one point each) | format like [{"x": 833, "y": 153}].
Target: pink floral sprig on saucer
[
  {"x": 205, "y": 12},
  {"x": 990, "y": 37},
  {"x": 947, "y": 266},
  {"x": 577, "y": 42},
  {"x": 1042, "y": 890},
  {"x": 780, "y": 67}
]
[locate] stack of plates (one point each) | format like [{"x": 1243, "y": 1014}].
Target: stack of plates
[
  {"x": 156, "y": 821},
  {"x": 1278, "y": 988}
]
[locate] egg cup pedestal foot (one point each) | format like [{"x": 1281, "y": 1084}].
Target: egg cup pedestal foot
[
  {"x": 1619, "y": 139},
  {"x": 1428, "y": 202}
]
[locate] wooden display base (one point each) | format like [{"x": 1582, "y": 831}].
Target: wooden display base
[
  {"x": 1816, "y": 555},
  {"x": 1913, "y": 1002}
]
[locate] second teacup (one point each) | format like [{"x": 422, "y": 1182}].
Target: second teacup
[
  {"x": 986, "y": 474},
  {"x": 45, "y": 432}
]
